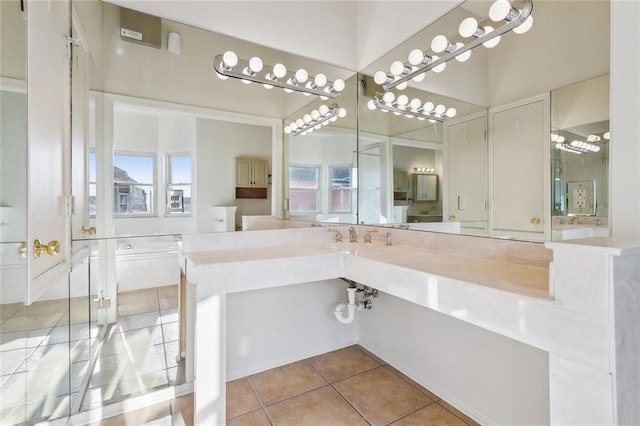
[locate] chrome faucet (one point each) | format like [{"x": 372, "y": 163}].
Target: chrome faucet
[
  {"x": 388, "y": 243},
  {"x": 367, "y": 236},
  {"x": 338, "y": 234},
  {"x": 572, "y": 219},
  {"x": 353, "y": 237},
  {"x": 580, "y": 219}
]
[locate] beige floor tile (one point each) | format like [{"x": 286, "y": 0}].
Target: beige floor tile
[
  {"x": 415, "y": 384},
  {"x": 286, "y": 381},
  {"x": 22, "y": 339},
  {"x": 118, "y": 388},
  {"x": 13, "y": 391},
  {"x": 125, "y": 365},
  {"x": 182, "y": 410},
  {"x": 9, "y": 309},
  {"x": 171, "y": 331},
  {"x": 176, "y": 374},
  {"x": 322, "y": 406},
  {"x": 15, "y": 415},
  {"x": 240, "y": 398},
  {"x": 381, "y": 396},
  {"x": 132, "y": 340},
  {"x": 343, "y": 363},
  {"x": 132, "y": 322},
  {"x": 138, "y": 301},
  {"x": 49, "y": 307},
  {"x": 459, "y": 413},
  {"x": 433, "y": 414},
  {"x": 138, "y": 417},
  {"x": 254, "y": 418},
  {"x": 168, "y": 296},
  {"x": 30, "y": 322},
  {"x": 11, "y": 360},
  {"x": 169, "y": 315},
  {"x": 172, "y": 350}
]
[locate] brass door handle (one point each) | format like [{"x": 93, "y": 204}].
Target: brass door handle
[
  {"x": 452, "y": 218},
  {"x": 52, "y": 248},
  {"x": 22, "y": 249},
  {"x": 535, "y": 220},
  {"x": 88, "y": 231}
]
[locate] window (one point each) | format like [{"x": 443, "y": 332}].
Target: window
[
  {"x": 92, "y": 183},
  {"x": 304, "y": 189},
  {"x": 340, "y": 200},
  {"x": 133, "y": 184},
  {"x": 178, "y": 184}
]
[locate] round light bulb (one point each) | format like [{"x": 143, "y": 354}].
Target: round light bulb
[
  {"x": 323, "y": 109},
  {"x": 371, "y": 105},
  {"x": 440, "y": 109},
  {"x": 293, "y": 126},
  {"x": 320, "y": 80},
  {"x": 380, "y": 77},
  {"x": 333, "y": 119},
  {"x": 439, "y": 43},
  {"x": 439, "y": 68},
  {"x": 463, "y": 57},
  {"x": 402, "y": 86},
  {"x": 561, "y": 139},
  {"x": 342, "y": 113},
  {"x": 317, "y": 126},
  {"x": 451, "y": 112},
  {"x": 325, "y": 122},
  {"x": 315, "y": 114},
  {"x": 415, "y": 104},
  {"x": 499, "y": 10},
  {"x": 244, "y": 81},
  {"x": 267, "y": 86},
  {"x": 525, "y": 26},
  {"x": 388, "y": 98},
  {"x": 419, "y": 77},
  {"x": 300, "y": 122},
  {"x": 427, "y": 107},
  {"x": 338, "y": 85},
  {"x": 554, "y": 137},
  {"x": 302, "y": 75},
  {"x": 222, "y": 77},
  {"x": 396, "y": 68},
  {"x": 230, "y": 58},
  {"x": 287, "y": 130},
  {"x": 279, "y": 70},
  {"x": 403, "y": 100},
  {"x": 494, "y": 41},
  {"x": 607, "y": 135},
  {"x": 306, "y": 118},
  {"x": 255, "y": 64},
  {"x": 468, "y": 27},
  {"x": 593, "y": 138},
  {"x": 416, "y": 56}
]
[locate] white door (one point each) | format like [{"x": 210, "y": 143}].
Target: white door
[
  {"x": 48, "y": 24},
  {"x": 466, "y": 180},
  {"x": 520, "y": 164}
]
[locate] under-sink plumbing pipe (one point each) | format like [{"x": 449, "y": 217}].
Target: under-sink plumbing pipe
[{"x": 350, "y": 306}]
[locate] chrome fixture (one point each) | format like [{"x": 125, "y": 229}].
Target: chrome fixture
[
  {"x": 315, "y": 120},
  {"x": 316, "y": 225},
  {"x": 353, "y": 236},
  {"x": 517, "y": 18},
  {"x": 411, "y": 109},
  {"x": 367, "y": 236},
  {"x": 338, "y": 234},
  {"x": 351, "y": 305},
  {"x": 589, "y": 145},
  {"x": 388, "y": 239},
  {"x": 401, "y": 226},
  {"x": 298, "y": 81},
  {"x": 423, "y": 170}
]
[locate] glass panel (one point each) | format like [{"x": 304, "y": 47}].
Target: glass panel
[{"x": 133, "y": 187}]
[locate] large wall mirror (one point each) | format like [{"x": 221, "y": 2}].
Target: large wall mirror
[{"x": 494, "y": 159}]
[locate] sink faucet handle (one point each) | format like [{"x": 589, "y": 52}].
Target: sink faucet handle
[
  {"x": 388, "y": 238},
  {"x": 338, "y": 234},
  {"x": 353, "y": 236},
  {"x": 367, "y": 235}
]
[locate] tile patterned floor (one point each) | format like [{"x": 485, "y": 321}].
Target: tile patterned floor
[
  {"x": 344, "y": 387},
  {"x": 138, "y": 356}
]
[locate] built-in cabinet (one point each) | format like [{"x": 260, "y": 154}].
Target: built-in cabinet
[
  {"x": 519, "y": 159},
  {"x": 251, "y": 178}
]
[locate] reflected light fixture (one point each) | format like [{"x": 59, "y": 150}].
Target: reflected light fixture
[
  {"x": 578, "y": 146},
  {"x": 423, "y": 170},
  {"x": 315, "y": 120},
  {"x": 229, "y": 65},
  {"x": 415, "y": 108},
  {"x": 443, "y": 49}
]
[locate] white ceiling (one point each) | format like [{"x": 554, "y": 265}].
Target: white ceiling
[{"x": 346, "y": 33}]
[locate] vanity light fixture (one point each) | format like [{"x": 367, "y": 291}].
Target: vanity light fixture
[
  {"x": 410, "y": 109},
  {"x": 315, "y": 120},
  {"x": 423, "y": 170},
  {"x": 517, "y": 18},
  {"x": 229, "y": 65},
  {"x": 578, "y": 146}
]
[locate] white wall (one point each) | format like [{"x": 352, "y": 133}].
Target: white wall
[
  {"x": 218, "y": 144},
  {"x": 268, "y": 328},
  {"x": 569, "y": 42},
  {"x": 493, "y": 378}
]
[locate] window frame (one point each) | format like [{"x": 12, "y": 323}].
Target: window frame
[
  {"x": 168, "y": 184},
  {"x": 350, "y": 189},
  {"x": 153, "y": 203},
  {"x": 317, "y": 190}
]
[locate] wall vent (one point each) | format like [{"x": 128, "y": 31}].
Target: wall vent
[{"x": 138, "y": 27}]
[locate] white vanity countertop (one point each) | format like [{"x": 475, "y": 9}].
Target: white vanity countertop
[{"x": 518, "y": 278}]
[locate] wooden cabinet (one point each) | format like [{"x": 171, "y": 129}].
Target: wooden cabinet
[
  {"x": 251, "y": 178},
  {"x": 520, "y": 173}
]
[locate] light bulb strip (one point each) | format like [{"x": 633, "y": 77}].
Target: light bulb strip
[
  {"x": 381, "y": 104},
  {"x": 526, "y": 10},
  {"x": 324, "y": 91},
  {"x": 333, "y": 111},
  {"x": 564, "y": 147}
]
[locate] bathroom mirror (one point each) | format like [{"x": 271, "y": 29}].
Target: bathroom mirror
[
  {"x": 561, "y": 48},
  {"x": 580, "y": 158}
]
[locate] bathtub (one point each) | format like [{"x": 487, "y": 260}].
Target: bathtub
[{"x": 144, "y": 262}]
